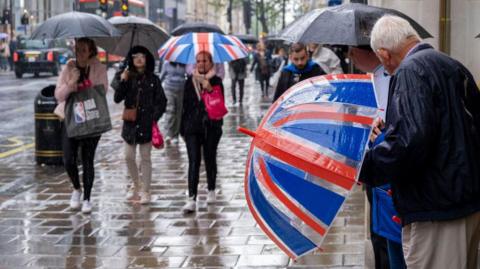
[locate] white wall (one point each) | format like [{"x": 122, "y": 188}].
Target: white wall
[
  {"x": 425, "y": 12},
  {"x": 465, "y": 25}
]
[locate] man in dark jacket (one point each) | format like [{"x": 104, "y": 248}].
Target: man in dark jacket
[
  {"x": 301, "y": 68},
  {"x": 431, "y": 152}
]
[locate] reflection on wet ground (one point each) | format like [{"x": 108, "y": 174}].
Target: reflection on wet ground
[{"x": 38, "y": 230}]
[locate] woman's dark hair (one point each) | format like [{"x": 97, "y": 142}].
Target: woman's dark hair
[
  {"x": 149, "y": 59},
  {"x": 208, "y": 54},
  {"x": 91, "y": 45}
]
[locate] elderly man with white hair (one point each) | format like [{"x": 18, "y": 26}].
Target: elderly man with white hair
[{"x": 431, "y": 151}]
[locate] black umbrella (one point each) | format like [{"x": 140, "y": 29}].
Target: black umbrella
[
  {"x": 248, "y": 39},
  {"x": 135, "y": 31},
  {"x": 348, "y": 24},
  {"x": 74, "y": 25},
  {"x": 478, "y": 36},
  {"x": 196, "y": 27}
]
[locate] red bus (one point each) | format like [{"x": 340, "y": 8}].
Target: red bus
[{"x": 135, "y": 7}]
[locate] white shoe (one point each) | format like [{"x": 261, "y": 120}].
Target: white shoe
[
  {"x": 145, "y": 198},
  {"x": 75, "y": 199},
  {"x": 211, "y": 197},
  {"x": 132, "y": 192},
  {"x": 190, "y": 206},
  {"x": 86, "y": 207}
]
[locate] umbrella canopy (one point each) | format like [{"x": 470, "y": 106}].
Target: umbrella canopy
[
  {"x": 305, "y": 158},
  {"x": 248, "y": 39},
  {"x": 347, "y": 24},
  {"x": 478, "y": 36},
  {"x": 3, "y": 35},
  {"x": 196, "y": 27},
  {"x": 136, "y": 31},
  {"x": 183, "y": 49},
  {"x": 75, "y": 25}
]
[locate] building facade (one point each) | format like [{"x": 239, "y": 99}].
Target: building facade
[{"x": 167, "y": 13}]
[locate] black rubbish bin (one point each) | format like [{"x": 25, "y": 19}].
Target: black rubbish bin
[{"x": 48, "y": 129}]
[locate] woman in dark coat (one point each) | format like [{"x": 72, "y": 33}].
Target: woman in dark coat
[
  {"x": 140, "y": 89},
  {"x": 198, "y": 130}
]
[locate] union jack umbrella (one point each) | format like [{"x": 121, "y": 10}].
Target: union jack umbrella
[
  {"x": 183, "y": 49},
  {"x": 306, "y": 156}
]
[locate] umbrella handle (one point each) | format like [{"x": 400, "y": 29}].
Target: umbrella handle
[{"x": 246, "y": 131}]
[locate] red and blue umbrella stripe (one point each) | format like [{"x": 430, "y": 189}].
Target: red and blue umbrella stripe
[
  {"x": 306, "y": 156},
  {"x": 184, "y": 48}
]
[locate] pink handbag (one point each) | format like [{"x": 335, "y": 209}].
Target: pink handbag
[
  {"x": 157, "y": 137},
  {"x": 214, "y": 103}
]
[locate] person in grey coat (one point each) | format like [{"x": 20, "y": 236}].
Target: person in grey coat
[
  {"x": 173, "y": 78},
  {"x": 238, "y": 73}
]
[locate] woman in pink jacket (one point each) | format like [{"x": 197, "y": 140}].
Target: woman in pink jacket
[{"x": 85, "y": 67}]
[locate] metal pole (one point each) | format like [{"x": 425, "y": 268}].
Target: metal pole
[
  {"x": 12, "y": 18},
  {"x": 283, "y": 14},
  {"x": 256, "y": 17},
  {"x": 445, "y": 26}
]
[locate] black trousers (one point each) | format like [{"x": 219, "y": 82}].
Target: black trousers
[
  {"x": 209, "y": 143},
  {"x": 379, "y": 243},
  {"x": 264, "y": 84},
  {"x": 241, "y": 84},
  {"x": 88, "y": 147}
]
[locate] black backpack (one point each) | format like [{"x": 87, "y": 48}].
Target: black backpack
[{"x": 239, "y": 66}]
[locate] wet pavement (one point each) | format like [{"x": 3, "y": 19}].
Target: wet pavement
[{"x": 38, "y": 230}]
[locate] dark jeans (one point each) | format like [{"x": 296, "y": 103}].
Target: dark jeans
[
  {"x": 70, "y": 153},
  {"x": 264, "y": 84},
  {"x": 241, "y": 83},
  {"x": 209, "y": 143},
  {"x": 395, "y": 255},
  {"x": 379, "y": 243}
]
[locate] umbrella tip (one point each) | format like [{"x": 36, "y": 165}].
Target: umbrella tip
[{"x": 246, "y": 131}]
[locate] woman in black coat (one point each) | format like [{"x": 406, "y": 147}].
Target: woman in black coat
[
  {"x": 198, "y": 130},
  {"x": 140, "y": 89}
]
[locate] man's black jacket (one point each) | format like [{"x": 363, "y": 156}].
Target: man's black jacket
[{"x": 431, "y": 152}]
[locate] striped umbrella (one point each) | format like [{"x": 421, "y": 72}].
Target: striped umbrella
[
  {"x": 305, "y": 158},
  {"x": 183, "y": 49}
]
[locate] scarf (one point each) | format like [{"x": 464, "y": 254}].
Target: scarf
[
  {"x": 197, "y": 78},
  {"x": 292, "y": 68}
]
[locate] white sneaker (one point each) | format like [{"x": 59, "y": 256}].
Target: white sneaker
[
  {"x": 190, "y": 206},
  {"x": 75, "y": 199},
  {"x": 145, "y": 198},
  {"x": 86, "y": 207},
  {"x": 211, "y": 197},
  {"x": 132, "y": 192}
]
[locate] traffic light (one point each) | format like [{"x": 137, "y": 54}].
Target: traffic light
[
  {"x": 7, "y": 17},
  {"x": 24, "y": 20},
  {"x": 124, "y": 7},
  {"x": 103, "y": 6},
  {"x": 229, "y": 15},
  {"x": 247, "y": 14}
]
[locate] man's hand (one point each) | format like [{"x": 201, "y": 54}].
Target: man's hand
[{"x": 378, "y": 124}]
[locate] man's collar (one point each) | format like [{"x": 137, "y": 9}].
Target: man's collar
[{"x": 419, "y": 46}]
